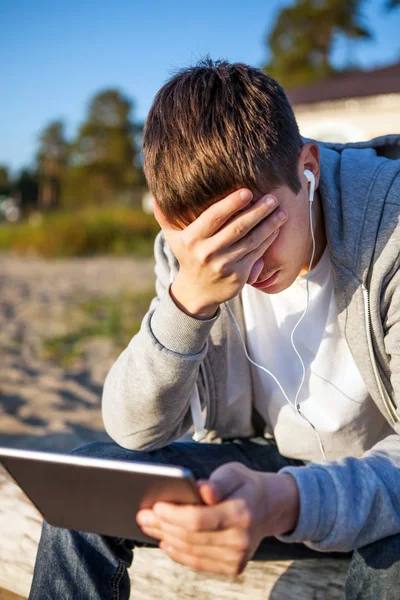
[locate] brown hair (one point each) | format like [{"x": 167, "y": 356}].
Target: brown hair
[{"x": 214, "y": 128}]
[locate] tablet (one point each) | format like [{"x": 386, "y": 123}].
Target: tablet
[{"x": 94, "y": 494}]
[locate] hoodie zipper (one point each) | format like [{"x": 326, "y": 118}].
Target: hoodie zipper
[{"x": 382, "y": 390}]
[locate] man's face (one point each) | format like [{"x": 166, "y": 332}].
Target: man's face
[{"x": 289, "y": 255}]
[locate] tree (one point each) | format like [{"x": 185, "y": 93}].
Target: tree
[
  {"x": 104, "y": 158},
  {"x": 5, "y": 181},
  {"x": 302, "y": 38},
  {"x": 51, "y": 162},
  {"x": 27, "y": 187}
]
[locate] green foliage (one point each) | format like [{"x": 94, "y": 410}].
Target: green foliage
[
  {"x": 53, "y": 149},
  {"x": 5, "y": 182},
  {"x": 100, "y": 166},
  {"x": 116, "y": 230},
  {"x": 117, "y": 320},
  {"x": 302, "y": 38},
  {"x": 103, "y": 162},
  {"x": 51, "y": 160},
  {"x": 27, "y": 188}
]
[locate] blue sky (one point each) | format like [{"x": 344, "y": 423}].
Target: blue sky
[{"x": 58, "y": 54}]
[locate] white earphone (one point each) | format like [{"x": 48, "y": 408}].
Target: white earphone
[{"x": 311, "y": 180}]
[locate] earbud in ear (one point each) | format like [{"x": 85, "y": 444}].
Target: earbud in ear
[
  {"x": 311, "y": 179},
  {"x": 310, "y": 176}
]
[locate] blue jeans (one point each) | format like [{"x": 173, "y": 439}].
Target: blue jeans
[{"x": 73, "y": 565}]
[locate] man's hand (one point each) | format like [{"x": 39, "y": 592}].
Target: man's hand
[
  {"x": 221, "y": 250},
  {"x": 243, "y": 507}
]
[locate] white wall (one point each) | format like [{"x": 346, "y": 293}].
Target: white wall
[{"x": 351, "y": 120}]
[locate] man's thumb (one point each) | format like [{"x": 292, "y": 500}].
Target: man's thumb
[
  {"x": 207, "y": 492},
  {"x": 227, "y": 479}
]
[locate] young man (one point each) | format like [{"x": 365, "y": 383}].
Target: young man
[{"x": 285, "y": 252}]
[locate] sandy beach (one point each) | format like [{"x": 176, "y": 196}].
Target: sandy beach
[{"x": 42, "y": 404}]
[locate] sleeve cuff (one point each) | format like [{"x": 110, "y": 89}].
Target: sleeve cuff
[
  {"x": 177, "y": 331},
  {"x": 314, "y": 523}
]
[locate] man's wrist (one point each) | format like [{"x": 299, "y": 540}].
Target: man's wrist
[
  {"x": 282, "y": 503},
  {"x": 191, "y": 307},
  {"x": 290, "y": 505}
]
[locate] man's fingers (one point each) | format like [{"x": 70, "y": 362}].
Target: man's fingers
[
  {"x": 154, "y": 532},
  {"x": 251, "y": 258},
  {"x": 199, "y": 518},
  {"x": 227, "y": 552},
  {"x": 208, "y": 493},
  {"x": 208, "y": 565},
  {"x": 216, "y": 215},
  {"x": 182, "y": 537},
  {"x": 261, "y": 232},
  {"x": 255, "y": 271},
  {"x": 245, "y": 222},
  {"x": 193, "y": 518}
]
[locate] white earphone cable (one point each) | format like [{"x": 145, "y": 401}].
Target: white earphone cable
[{"x": 295, "y": 405}]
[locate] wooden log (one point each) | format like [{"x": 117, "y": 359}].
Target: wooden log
[
  {"x": 6, "y": 595},
  {"x": 20, "y": 526},
  {"x": 154, "y": 575}
]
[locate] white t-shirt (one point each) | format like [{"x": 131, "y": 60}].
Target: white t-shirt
[{"x": 333, "y": 397}]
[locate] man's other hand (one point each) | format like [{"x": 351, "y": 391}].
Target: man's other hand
[
  {"x": 242, "y": 507},
  {"x": 221, "y": 250}
]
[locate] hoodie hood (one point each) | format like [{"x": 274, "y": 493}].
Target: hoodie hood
[{"x": 356, "y": 181}]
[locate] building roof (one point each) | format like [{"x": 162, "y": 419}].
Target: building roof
[{"x": 354, "y": 83}]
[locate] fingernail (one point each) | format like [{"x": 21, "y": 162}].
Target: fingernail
[
  {"x": 282, "y": 214},
  {"x": 270, "y": 201},
  {"x": 245, "y": 195},
  {"x": 146, "y": 520}
]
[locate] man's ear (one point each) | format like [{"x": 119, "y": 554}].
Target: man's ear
[{"x": 310, "y": 159}]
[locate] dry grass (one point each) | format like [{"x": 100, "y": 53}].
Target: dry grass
[{"x": 116, "y": 230}]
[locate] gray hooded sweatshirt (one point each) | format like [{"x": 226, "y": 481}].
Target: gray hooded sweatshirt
[{"x": 150, "y": 392}]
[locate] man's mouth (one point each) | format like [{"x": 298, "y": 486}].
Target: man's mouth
[{"x": 267, "y": 281}]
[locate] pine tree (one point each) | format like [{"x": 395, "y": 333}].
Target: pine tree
[
  {"x": 302, "y": 38},
  {"x": 51, "y": 162},
  {"x": 104, "y": 157}
]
